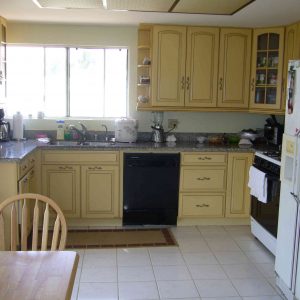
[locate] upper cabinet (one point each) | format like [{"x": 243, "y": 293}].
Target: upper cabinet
[
  {"x": 291, "y": 51},
  {"x": 2, "y": 59},
  {"x": 267, "y": 64},
  {"x": 234, "y": 67},
  {"x": 168, "y": 68}
]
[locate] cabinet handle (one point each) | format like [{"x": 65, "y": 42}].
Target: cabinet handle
[
  {"x": 203, "y": 178},
  {"x": 24, "y": 167},
  {"x": 204, "y": 158},
  {"x": 202, "y": 205},
  {"x": 182, "y": 83},
  {"x": 65, "y": 168},
  {"x": 283, "y": 86},
  {"x": 95, "y": 168},
  {"x": 188, "y": 83},
  {"x": 221, "y": 83},
  {"x": 32, "y": 160},
  {"x": 252, "y": 84},
  {"x": 31, "y": 173}
]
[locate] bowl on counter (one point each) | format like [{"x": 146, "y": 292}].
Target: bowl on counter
[
  {"x": 216, "y": 140},
  {"x": 233, "y": 139},
  {"x": 201, "y": 139}
]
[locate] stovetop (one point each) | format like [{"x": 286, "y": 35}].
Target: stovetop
[{"x": 273, "y": 156}]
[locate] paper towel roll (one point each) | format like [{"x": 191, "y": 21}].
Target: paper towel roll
[{"x": 17, "y": 126}]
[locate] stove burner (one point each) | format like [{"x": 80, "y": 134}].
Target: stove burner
[{"x": 273, "y": 153}]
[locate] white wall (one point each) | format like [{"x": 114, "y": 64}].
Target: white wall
[{"x": 75, "y": 35}]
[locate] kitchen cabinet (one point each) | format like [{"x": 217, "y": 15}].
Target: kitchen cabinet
[
  {"x": 85, "y": 184},
  {"x": 266, "y": 74},
  {"x": 62, "y": 184},
  {"x": 168, "y": 66},
  {"x": 202, "y": 185},
  {"x": 234, "y": 67},
  {"x": 291, "y": 51},
  {"x": 2, "y": 60},
  {"x": 99, "y": 191},
  {"x": 237, "y": 191}
]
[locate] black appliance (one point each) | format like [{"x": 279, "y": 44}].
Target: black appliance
[
  {"x": 150, "y": 188},
  {"x": 266, "y": 214},
  {"x": 273, "y": 131},
  {"x": 4, "y": 128}
]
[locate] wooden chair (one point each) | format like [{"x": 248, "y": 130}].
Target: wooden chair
[{"x": 20, "y": 206}]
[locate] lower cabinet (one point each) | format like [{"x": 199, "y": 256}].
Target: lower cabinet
[
  {"x": 62, "y": 184},
  {"x": 237, "y": 191},
  {"x": 86, "y": 186},
  {"x": 214, "y": 185},
  {"x": 99, "y": 191}
]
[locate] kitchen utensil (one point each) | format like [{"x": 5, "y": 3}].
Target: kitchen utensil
[
  {"x": 158, "y": 134},
  {"x": 4, "y": 128},
  {"x": 201, "y": 139}
]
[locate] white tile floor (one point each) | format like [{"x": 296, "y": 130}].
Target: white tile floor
[{"x": 211, "y": 262}]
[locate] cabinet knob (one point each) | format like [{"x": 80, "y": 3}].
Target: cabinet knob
[
  {"x": 202, "y": 205},
  {"x": 182, "y": 83},
  {"x": 188, "y": 83},
  {"x": 203, "y": 178}
]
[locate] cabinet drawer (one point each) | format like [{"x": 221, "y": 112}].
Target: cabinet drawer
[
  {"x": 77, "y": 157},
  {"x": 202, "y": 158},
  {"x": 209, "y": 178},
  {"x": 26, "y": 164},
  {"x": 194, "y": 205}
]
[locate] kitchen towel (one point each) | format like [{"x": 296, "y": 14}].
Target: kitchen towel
[{"x": 258, "y": 184}]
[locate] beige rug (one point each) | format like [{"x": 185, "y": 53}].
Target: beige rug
[{"x": 115, "y": 238}]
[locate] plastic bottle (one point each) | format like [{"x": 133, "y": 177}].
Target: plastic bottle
[
  {"x": 17, "y": 126},
  {"x": 60, "y": 131}
]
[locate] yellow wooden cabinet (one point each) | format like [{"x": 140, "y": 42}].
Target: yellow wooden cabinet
[
  {"x": 291, "y": 52},
  {"x": 62, "y": 184},
  {"x": 266, "y": 74},
  {"x": 234, "y": 67},
  {"x": 168, "y": 65},
  {"x": 85, "y": 184},
  {"x": 99, "y": 191},
  {"x": 237, "y": 191},
  {"x": 202, "y": 184}
]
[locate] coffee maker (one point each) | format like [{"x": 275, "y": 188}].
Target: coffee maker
[
  {"x": 4, "y": 128},
  {"x": 273, "y": 131},
  {"x": 158, "y": 134}
]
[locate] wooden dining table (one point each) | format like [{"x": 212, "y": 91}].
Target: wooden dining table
[{"x": 32, "y": 275}]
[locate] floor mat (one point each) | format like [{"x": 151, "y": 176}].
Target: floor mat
[{"x": 115, "y": 238}]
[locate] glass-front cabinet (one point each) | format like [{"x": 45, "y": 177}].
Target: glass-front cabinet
[{"x": 267, "y": 63}]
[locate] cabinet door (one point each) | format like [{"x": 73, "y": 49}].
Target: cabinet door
[
  {"x": 267, "y": 64},
  {"x": 100, "y": 191},
  {"x": 237, "y": 192},
  {"x": 291, "y": 51},
  {"x": 234, "y": 68},
  {"x": 168, "y": 68},
  {"x": 62, "y": 184},
  {"x": 202, "y": 66}
]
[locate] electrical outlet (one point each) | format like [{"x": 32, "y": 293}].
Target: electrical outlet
[{"x": 172, "y": 123}]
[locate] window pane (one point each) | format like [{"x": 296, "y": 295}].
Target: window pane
[
  {"x": 86, "y": 82},
  {"x": 115, "y": 82},
  {"x": 25, "y": 80},
  {"x": 55, "y": 82}
]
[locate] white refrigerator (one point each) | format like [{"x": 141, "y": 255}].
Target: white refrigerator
[{"x": 287, "y": 262}]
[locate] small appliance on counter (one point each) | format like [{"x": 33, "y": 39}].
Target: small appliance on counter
[
  {"x": 126, "y": 130},
  {"x": 273, "y": 131},
  {"x": 158, "y": 134},
  {"x": 4, "y": 128}
]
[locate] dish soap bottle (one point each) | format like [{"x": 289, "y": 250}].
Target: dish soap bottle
[{"x": 60, "y": 131}]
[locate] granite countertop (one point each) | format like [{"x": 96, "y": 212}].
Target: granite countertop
[{"x": 14, "y": 151}]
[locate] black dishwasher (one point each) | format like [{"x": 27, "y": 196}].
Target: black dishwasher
[{"x": 150, "y": 188}]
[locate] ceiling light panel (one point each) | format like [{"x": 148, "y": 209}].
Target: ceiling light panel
[
  {"x": 215, "y": 7},
  {"x": 140, "y": 5},
  {"x": 69, "y": 4}
]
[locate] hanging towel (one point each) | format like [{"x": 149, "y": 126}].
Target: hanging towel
[{"x": 258, "y": 184}]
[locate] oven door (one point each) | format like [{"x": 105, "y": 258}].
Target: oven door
[{"x": 266, "y": 214}]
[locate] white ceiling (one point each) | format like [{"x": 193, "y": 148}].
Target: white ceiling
[{"x": 257, "y": 14}]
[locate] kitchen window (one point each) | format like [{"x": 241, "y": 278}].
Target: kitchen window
[{"x": 67, "y": 81}]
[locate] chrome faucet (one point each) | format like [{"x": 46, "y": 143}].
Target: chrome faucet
[
  {"x": 106, "y": 136},
  {"x": 83, "y": 133}
]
